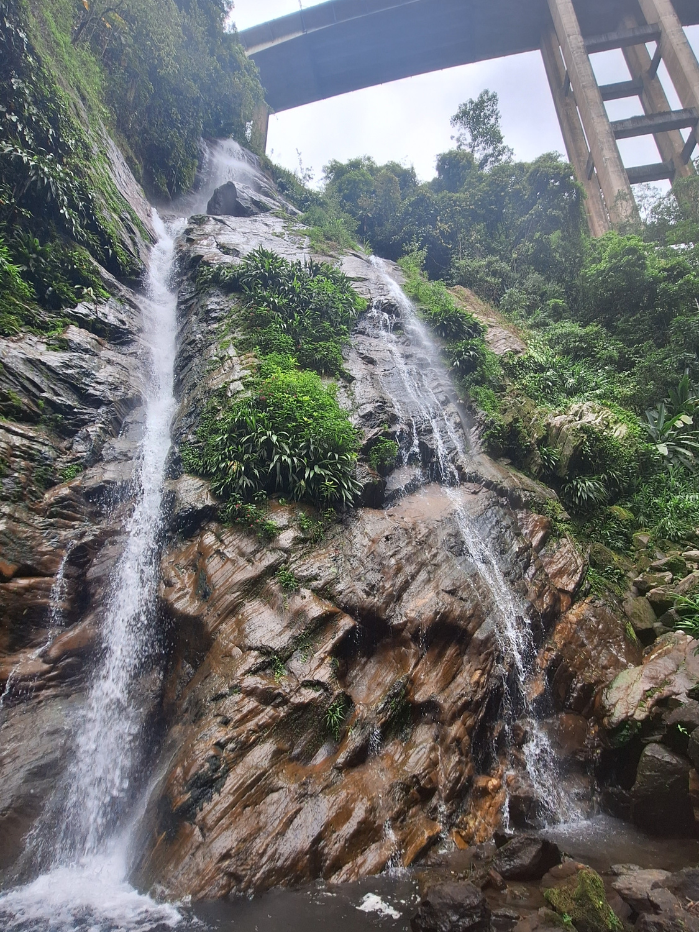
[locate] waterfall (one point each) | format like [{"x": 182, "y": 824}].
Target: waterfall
[
  {"x": 83, "y": 838},
  {"x": 511, "y": 629}
]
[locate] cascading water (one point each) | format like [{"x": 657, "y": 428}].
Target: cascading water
[
  {"x": 512, "y": 632},
  {"x": 83, "y": 839}
]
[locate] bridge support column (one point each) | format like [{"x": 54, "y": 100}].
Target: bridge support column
[
  {"x": 260, "y": 128},
  {"x": 654, "y": 100},
  {"x": 573, "y": 133},
  {"x": 605, "y": 154},
  {"x": 680, "y": 60}
]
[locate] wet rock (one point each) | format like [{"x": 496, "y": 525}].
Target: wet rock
[
  {"x": 660, "y": 795},
  {"x": 536, "y": 528},
  {"x": 504, "y": 919},
  {"x": 640, "y": 613},
  {"x": 669, "y": 670},
  {"x": 685, "y": 715},
  {"x": 565, "y": 566},
  {"x": 684, "y": 884},
  {"x": 634, "y": 888},
  {"x": 681, "y": 922},
  {"x": 693, "y": 747},
  {"x": 588, "y": 648},
  {"x": 543, "y": 920},
  {"x": 192, "y": 503},
  {"x": 526, "y": 857},
  {"x": 233, "y": 199},
  {"x": 582, "y": 898},
  {"x": 452, "y": 907}
]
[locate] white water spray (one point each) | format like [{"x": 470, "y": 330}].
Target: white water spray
[
  {"x": 86, "y": 886},
  {"x": 511, "y": 629}
]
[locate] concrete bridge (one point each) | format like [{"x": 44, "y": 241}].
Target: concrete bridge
[{"x": 343, "y": 45}]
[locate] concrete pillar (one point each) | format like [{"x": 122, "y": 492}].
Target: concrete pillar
[
  {"x": 680, "y": 60},
  {"x": 654, "y": 100},
  {"x": 573, "y": 133},
  {"x": 600, "y": 136},
  {"x": 260, "y": 128}
]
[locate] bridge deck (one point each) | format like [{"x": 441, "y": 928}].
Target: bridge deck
[{"x": 343, "y": 45}]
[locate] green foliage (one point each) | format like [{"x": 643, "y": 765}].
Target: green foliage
[
  {"x": 667, "y": 503},
  {"x": 287, "y": 580},
  {"x": 287, "y": 435},
  {"x": 670, "y": 425},
  {"x": 295, "y": 308},
  {"x": 478, "y": 125},
  {"x": 335, "y": 715},
  {"x": 314, "y": 528},
  {"x": 688, "y": 610},
  {"x": 236, "y": 511},
  {"x": 71, "y": 472},
  {"x": 384, "y": 454}
]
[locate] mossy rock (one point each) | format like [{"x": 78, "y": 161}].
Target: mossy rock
[
  {"x": 583, "y": 900},
  {"x": 621, "y": 514},
  {"x": 601, "y": 557}
]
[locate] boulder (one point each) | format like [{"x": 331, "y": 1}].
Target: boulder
[
  {"x": 583, "y": 900},
  {"x": 634, "y": 888},
  {"x": 233, "y": 199},
  {"x": 647, "y": 581},
  {"x": 691, "y": 555},
  {"x": 640, "y": 613},
  {"x": 669, "y": 670},
  {"x": 661, "y": 599},
  {"x": 526, "y": 857},
  {"x": 684, "y": 884},
  {"x": 674, "y": 564},
  {"x": 452, "y": 907},
  {"x": 693, "y": 747},
  {"x": 689, "y": 584},
  {"x": 660, "y": 800}
]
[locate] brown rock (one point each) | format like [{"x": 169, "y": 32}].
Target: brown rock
[
  {"x": 565, "y": 566},
  {"x": 588, "y": 648},
  {"x": 669, "y": 669},
  {"x": 535, "y": 528}
]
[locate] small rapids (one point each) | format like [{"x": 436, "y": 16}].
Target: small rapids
[
  {"x": 84, "y": 882},
  {"x": 512, "y": 630}
]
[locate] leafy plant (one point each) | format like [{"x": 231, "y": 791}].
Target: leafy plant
[
  {"x": 287, "y": 580},
  {"x": 335, "y": 715},
  {"x": 670, "y": 425},
  {"x": 383, "y": 454},
  {"x": 288, "y": 436},
  {"x": 71, "y": 472}
]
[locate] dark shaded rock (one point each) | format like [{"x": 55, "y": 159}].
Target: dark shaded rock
[
  {"x": 649, "y": 922},
  {"x": 684, "y": 884},
  {"x": 504, "y": 920},
  {"x": 674, "y": 564},
  {"x": 233, "y": 199},
  {"x": 526, "y": 857},
  {"x": 634, "y": 888},
  {"x": 647, "y": 581},
  {"x": 582, "y": 898},
  {"x": 660, "y": 800},
  {"x": 452, "y": 907},
  {"x": 640, "y": 613},
  {"x": 686, "y": 715}
]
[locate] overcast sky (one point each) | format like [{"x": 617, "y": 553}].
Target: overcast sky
[{"x": 408, "y": 121}]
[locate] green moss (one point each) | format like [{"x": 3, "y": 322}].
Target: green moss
[{"x": 583, "y": 900}]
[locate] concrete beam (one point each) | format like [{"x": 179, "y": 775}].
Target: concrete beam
[
  {"x": 573, "y": 133},
  {"x": 654, "y": 123},
  {"x": 654, "y": 100},
  {"x": 680, "y": 60},
  {"x": 605, "y": 152}
]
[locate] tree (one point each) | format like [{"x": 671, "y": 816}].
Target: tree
[{"x": 478, "y": 125}]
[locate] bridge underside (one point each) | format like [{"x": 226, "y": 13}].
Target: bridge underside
[{"x": 345, "y": 45}]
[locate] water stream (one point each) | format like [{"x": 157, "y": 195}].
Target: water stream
[
  {"x": 512, "y": 630},
  {"x": 82, "y": 840}
]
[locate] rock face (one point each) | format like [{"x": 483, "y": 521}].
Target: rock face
[
  {"x": 660, "y": 795},
  {"x": 331, "y": 731},
  {"x": 324, "y": 732}
]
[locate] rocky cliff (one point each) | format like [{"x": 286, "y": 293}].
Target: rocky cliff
[{"x": 339, "y": 694}]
